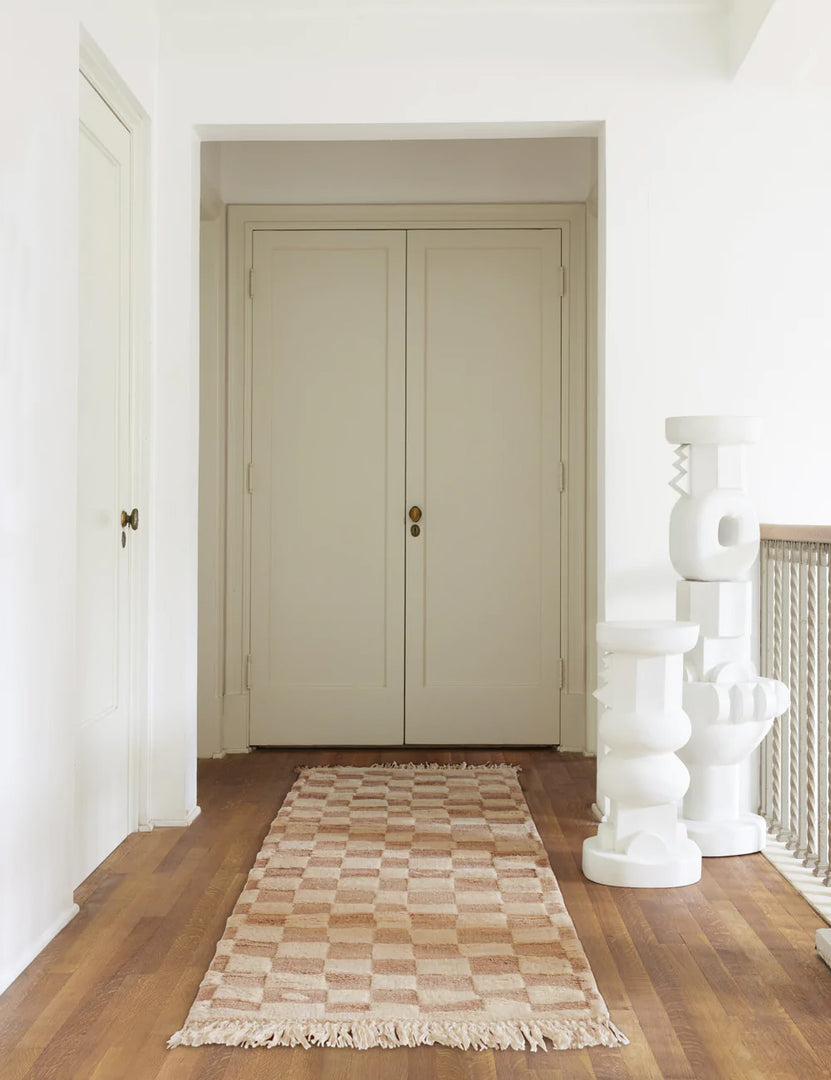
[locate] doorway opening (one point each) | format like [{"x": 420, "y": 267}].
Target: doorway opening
[{"x": 413, "y": 188}]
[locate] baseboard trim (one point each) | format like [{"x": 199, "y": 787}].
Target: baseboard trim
[
  {"x": 235, "y": 721},
  {"x": 824, "y": 945},
  {"x": 12, "y": 971},
  {"x": 805, "y": 883},
  {"x": 177, "y": 823},
  {"x": 573, "y": 723}
]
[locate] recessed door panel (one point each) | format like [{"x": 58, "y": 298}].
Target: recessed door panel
[
  {"x": 327, "y": 600},
  {"x": 483, "y": 466}
]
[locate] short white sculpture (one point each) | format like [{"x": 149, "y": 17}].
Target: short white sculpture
[
  {"x": 713, "y": 543},
  {"x": 641, "y": 843}
]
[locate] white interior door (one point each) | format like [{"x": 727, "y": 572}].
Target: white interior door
[
  {"x": 327, "y": 511},
  {"x": 483, "y": 451},
  {"x": 102, "y": 766}
]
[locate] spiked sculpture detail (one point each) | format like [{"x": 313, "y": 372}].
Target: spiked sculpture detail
[{"x": 714, "y": 541}]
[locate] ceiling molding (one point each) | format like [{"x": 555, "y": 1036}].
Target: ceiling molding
[{"x": 321, "y": 8}]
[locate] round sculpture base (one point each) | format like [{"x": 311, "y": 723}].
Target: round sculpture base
[
  {"x": 683, "y": 867},
  {"x": 740, "y": 836}
]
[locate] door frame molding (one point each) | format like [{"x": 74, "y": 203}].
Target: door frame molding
[
  {"x": 578, "y": 514},
  {"x": 103, "y": 77}
]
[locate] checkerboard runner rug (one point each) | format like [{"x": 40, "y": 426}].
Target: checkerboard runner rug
[{"x": 399, "y": 906}]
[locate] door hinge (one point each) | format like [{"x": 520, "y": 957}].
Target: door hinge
[
  {"x": 562, "y": 476},
  {"x": 249, "y": 482},
  {"x": 562, "y": 673},
  {"x": 251, "y": 282},
  {"x": 248, "y": 672},
  {"x": 562, "y": 281}
]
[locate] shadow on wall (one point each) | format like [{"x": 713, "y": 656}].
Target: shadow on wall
[{"x": 646, "y": 592}]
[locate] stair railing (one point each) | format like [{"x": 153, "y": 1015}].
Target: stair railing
[{"x": 796, "y": 648}]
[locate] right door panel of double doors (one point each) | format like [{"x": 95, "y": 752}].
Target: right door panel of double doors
[{"x": 396, "y": 373}]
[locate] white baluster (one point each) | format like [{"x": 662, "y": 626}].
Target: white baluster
[{"x": 823, "y": 749}]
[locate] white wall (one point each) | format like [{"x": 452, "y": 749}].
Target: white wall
[
  {"x": 38, "y": 420},
  {"x": 728, "y": 309},
  {"x": 424, "y": 171},
  {"x": 714, "y": 275},
  {"x": 175, "y": 467}
]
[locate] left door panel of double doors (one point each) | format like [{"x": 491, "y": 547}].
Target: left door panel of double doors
[{"x": 328, "y": 439}]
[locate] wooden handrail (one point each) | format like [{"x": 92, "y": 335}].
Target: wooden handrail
[{"x": 810, "y": 534}]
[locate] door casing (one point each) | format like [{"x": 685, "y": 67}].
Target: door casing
[{"x": 230, "y": 646}]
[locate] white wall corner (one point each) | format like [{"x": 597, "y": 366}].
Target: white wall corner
[
  {"x": 744, "y": 21},
  {"x": 784, "y": 43},
  {"x": 11, "y": 971}
]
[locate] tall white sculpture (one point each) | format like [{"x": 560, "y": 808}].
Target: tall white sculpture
[
  {"x": 641, "y": 843},
  {"x": 713, "y": 543}
]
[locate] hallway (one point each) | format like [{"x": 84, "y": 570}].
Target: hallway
[{"x": 717, "y": 980}]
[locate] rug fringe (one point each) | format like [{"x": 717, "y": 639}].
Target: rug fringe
[
  {"x": 419, "y": 765},
  {"x": 363, "y": 1034}
]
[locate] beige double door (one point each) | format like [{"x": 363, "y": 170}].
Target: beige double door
[{"x": 395, "y": 370}]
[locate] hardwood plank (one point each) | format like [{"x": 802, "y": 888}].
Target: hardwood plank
[{"x": 717, "y": 980}]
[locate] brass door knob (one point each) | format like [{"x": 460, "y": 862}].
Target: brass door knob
[
  {"x": 130, "y": 519},
  {"x": 415, "y": 513}
]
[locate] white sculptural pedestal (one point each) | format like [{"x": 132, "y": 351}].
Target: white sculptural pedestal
[
  {"x": 714, "y": 542},
  {"x": 642, "y": 844},
  {"x": 731, "y": 709}
]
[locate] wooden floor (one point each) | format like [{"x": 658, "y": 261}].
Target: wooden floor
[{"x": 718, "y": 980}]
